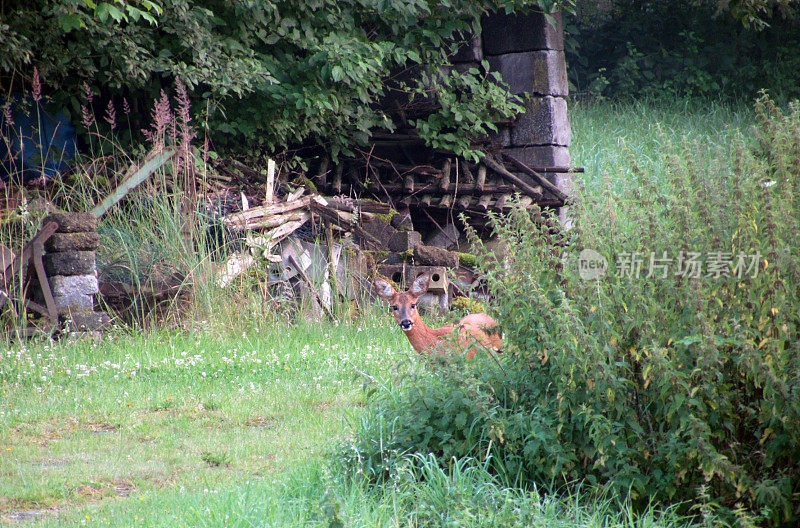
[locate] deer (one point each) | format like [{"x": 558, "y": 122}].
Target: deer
[{"x": 475, "y": 331}]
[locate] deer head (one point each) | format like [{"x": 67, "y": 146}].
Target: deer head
[{"x": 403, "y": 305}]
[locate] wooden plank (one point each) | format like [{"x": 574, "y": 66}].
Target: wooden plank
[
  {"x": 468, "y": 176},
  {"x": 133, "y": 177},
  {"x": 395, "y": 189},
  {"x": 322, "y": 174},
  {"x": 311, "y": 287},
  {"x": 266, "y": 210},
  {"x": 270, "y": 196},
  {"x": 559, "y": 169},
  {"x": 271, "y": 221},
  {"x": 343, "y": 219},
  {"x": 444, "y": 183},
  {"x": 337, "y": 179},
  {"x": 481, "y": 179},
  {"x": 408, "y": 183}
]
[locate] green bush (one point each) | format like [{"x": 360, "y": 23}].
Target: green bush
[
  {"x": 666, "y": 389},
  {"x": 264, "y": 75},
  {"x": 669, "y": 48}
]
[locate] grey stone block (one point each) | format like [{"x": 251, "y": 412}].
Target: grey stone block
[
  {"x": 542, "y": 156},
  {"x": 74, "y": 303},
  {"x": 470, "y": 49},
  {"x": 446, "y": 238},
  {"x": 501, "y": 138},
  {"x": 564, "y": 182},
  {"x": 516, "y": 32},
  {"x": 404, "y": 241},
  {"x": 379, "y": 229},
  {"x": 65, "y": 285},
  {"x": 435, "y": 256},
  {"x": 60, "y": 242},
  {"x": 545, "y": 122},
  {"x": 87, "y": 321},
  {"x": 69, "y": 263},
  {"x": 537, "y": 72},
  {"x": 73, "y": 222}
]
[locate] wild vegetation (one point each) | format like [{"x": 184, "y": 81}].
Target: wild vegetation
[
  {"x": 660, "y": 381},
  {"x": 560, "y": 430},
  {"x": 655, "y": 395},
  {"x": 626, "y": 49}
]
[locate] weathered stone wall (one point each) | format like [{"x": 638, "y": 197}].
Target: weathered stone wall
[
  {"x": 528, "y": 51},
  {"x": 70, "y": 262}
]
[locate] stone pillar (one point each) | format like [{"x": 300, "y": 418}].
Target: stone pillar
[
  {"x": 69, "y": 262},
  {"x": 528, "y": 51}
]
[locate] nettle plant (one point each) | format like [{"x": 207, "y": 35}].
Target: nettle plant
[
  {"x": 667, "y": 385},
  {"x": 666, "y": 389}
]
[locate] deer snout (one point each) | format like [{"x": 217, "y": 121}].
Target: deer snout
[{"x": 406, "y": 324}]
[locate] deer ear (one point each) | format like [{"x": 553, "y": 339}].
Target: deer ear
[
  {"x": 420, "y": 285},
  {"x": 383, "y": 288}
]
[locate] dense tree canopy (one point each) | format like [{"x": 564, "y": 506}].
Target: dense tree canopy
[
  {"x": 266, "y": 74},
  {"x": 674, "y": 48}
]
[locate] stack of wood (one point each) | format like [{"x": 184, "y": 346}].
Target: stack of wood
[
  {"x": 266, "y": 226},
  {"x": 447, "y": 182}
]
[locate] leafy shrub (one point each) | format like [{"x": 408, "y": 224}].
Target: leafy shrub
[
  {"x": 668, "y": 388},
  {"x": 265, "y": 74},
  {"x": 668, "y": 48}
]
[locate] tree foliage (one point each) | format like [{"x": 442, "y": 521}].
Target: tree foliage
[
  {"x": 266, "y": 74},
  {"x": 707, "y": 48}
]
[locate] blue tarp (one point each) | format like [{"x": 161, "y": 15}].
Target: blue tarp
[{"x": 38, "y": 144}]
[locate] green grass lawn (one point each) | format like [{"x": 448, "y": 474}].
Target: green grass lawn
[
  {"x": 92, "y": 426},
  {"x": 168, "y": 430}
]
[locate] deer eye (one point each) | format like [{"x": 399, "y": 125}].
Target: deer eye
[
  {"x": 393, "y": 307},
  {"x": 413, "y": 305}
]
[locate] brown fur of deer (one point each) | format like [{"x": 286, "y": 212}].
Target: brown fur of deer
[{"x": 475, "y": 331}]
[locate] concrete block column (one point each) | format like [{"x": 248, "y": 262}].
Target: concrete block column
[
  {"x": 70, "y": 262},
  {"x": 528, "y": 51}
]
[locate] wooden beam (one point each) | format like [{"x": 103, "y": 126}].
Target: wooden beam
[
  {"x": 481, "y": 180},
  {"x": 337, "y": 179},
  {"x": 468, "y": 177},
  {"x": 266, "y": 210},
  {"x": 541, "y": 180},
  {"x": 396, "y": 189},
  {"x": 444, "y": 183},
  {"x": 270, "y": 195},
  {"x": 322, "y": 174},
  {"x": 527, "y": 189},
  {"x": 408, "y": 183}
]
